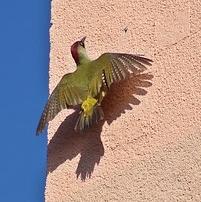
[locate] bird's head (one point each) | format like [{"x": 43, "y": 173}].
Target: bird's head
[{"x": 78, "y": 50}]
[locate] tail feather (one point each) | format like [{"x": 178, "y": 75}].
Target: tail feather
[{"x": 87, "y": 120}]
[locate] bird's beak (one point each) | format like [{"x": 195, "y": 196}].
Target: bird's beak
[{"x": 83, "y": 39}]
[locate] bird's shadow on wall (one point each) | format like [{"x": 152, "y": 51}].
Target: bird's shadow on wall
[{"x": 66, "y": 144}]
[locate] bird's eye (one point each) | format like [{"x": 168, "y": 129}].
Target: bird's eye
[{"x": 82, "y": 44}]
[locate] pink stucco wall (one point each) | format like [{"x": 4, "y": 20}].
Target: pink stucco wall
[{"x": 149, "y": 146}]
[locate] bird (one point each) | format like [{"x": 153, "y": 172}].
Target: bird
[{"x": 89, "y": 83}]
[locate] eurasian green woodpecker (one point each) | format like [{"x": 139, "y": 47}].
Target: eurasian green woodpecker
[{"x": 89, "y": 83}]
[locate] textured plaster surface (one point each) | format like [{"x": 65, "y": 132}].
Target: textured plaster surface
[{"x": 149, "y": 146}]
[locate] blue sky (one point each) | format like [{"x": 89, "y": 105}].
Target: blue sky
[{"x": 24, "y": 58}]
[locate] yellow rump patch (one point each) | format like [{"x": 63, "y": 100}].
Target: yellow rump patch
[{"x": 88, "y": 105}]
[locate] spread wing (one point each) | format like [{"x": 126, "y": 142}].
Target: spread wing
[
  {"x": 117, "y": 66},
  {"x": 65, "y": 94}
]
